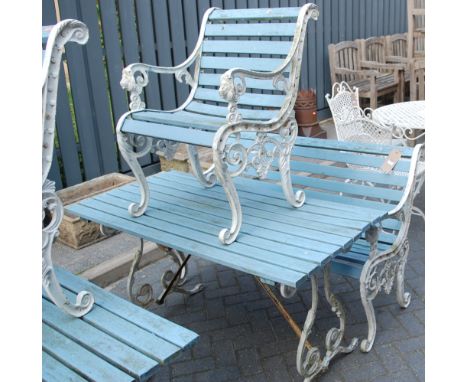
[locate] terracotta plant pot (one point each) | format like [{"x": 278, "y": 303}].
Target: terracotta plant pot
[{"x": 306, "y": 114}]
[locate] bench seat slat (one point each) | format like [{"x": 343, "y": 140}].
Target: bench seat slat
[
  {"x": 181, "y": 118},
  {"x": 217, "y": 255},
  {"x": 55, "y": 371},
  {"x": 340, "y": 203},
  {"x": 251, "y": 30},
  {"x": 278, "y": 200},
  {"x": 255, "y": 13},
  {"x": 348, "y": 173},
  {"x": 338, "y": 235},
  {"x": 402, "y": 165},
  {"x": 247, "y": 47},
  {"x": 196, "y": 231},
  {"x": 146, "y": 342},
  {"x": 295, "y": 243},
  {"x": 155, "y": 325},
  {"x": 348, "y": 188},
  {"x": 105, "y": 346},
  {"x": 80, "y": 359},
  {"x": 157, "y": 130},
  {"x": 321, "y": 214}
]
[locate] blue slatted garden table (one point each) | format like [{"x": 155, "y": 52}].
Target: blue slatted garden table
[{"x": 354, "y": 222}]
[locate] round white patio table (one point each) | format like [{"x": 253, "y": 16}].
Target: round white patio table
[{"x": 406, "y": 119}]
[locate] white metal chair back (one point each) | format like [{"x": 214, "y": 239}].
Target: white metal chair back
[
  {"x": 342, "y": 102},
  {"x": 351, "y": 122}
]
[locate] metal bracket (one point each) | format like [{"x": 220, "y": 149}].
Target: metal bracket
[{"x": 170, "y": 280}]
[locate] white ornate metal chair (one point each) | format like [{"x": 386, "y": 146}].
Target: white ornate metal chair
[
  {"x": 356, "y": 125},
  {"x": 52, "y": 208},
  {"x": 224, "y": 102}
]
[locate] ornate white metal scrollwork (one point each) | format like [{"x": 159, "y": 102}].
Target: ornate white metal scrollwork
[
  {"x": 231, "y": 88},
  {"x": 144, "y": 294},
  {"x": 309, "y": 361},
  {"x": 52, "y": 214},
  {"x": 52, "y": 208}
]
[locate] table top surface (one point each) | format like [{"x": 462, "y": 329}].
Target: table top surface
[
  {"x": 276, "y": 242},
  {"x": 404, "y": 115}
]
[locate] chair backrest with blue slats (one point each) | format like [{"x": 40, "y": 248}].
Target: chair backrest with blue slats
[{"x": 252, "y": 39}]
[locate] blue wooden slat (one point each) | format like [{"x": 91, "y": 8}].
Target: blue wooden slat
[
  {"x": 182, "y": 118},
  {"x": 217, "y": 254},
  {"x": 81, "y": 90},
  {"x": 213, "y": 79},
  {"x": 245, "y": 30},
  {"x": 333, "y": 230},
  {"x": 221, "y": 111},
  {"x": 124, "y": 331},
  {"x": 77, "y": 358},
  {"x": 105, "y": 346},
  {"x": 179, "y": 134},
  {"x": 124, "y": 309},
  {"x": 252, "y": 230},
  {"x": 255, "y": 14},
  {"x": 250, "y": 194},
  {"x": 54, "y": 172},
  {"x": 98, "y": 87},
  {"x": 327, "y": 36},
  {"x": 258, "y": 249},
  {"x": 55, "y": 371}
]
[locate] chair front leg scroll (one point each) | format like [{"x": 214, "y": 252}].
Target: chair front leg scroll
[
  {"x": 206, "y": 178},
  {"x": 133, "y": 147},
  {"x": 289, "y": 134},
  {"x": 228, "y": 235}
]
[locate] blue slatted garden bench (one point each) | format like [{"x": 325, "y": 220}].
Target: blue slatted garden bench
[
  {"x": 346, "y": 225},
  {"x": 88, "y": 334},
  {"x": 114, "y": 341}
]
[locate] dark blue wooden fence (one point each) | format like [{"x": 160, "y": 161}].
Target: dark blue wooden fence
[{"x": 164, "y": 32}]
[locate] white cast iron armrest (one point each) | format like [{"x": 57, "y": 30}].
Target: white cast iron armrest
[{"x": 135, "y": 78}]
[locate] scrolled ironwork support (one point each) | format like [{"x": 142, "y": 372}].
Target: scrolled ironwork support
[
  {"x": 52, "y": 210},
  {"x": 206, "y": 178},
  {"x": 309, "y": 362},
  {"x": 171, "y": 281}
]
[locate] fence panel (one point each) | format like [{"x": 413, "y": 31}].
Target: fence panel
[{"x": 164, "y": 32}]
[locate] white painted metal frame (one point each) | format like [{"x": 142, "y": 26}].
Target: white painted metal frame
[
  {"x": 52, "y": 208},
  {"x": 382, "y": 268},
  {"x": 225, "y": 153}
]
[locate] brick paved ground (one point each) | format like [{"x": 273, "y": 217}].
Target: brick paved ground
[{"x": 243, "y": 337}]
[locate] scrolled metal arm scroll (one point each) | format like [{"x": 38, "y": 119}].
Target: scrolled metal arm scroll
[
  {"x": 66, "y": 30},
  {"x": 52, "y": 207},
  {"x": 266, "y": 148},
  {"x": 135, "y": 76}
]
